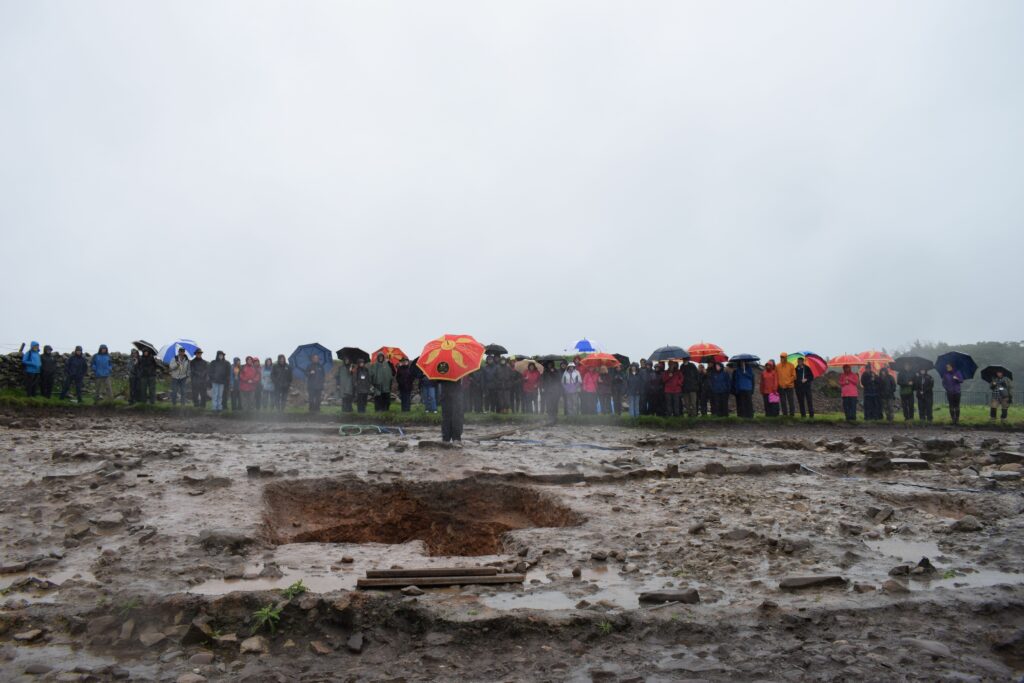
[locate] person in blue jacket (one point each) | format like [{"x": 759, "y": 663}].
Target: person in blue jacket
[
  {"x": 743, "y": 388},
  {"x": 33, "y": 364},
  {"x": 75, "y": 368},
  {"x": 721, "y": 386},
  {"x": 102, "y": 369}
]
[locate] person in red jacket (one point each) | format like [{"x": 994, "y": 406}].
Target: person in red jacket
[
  {"x": 588, "y": 397},
  {"x": 531, "y": 384},
  {"x": 249, "y": 378},
  {"x": 672, "y": 385},
  {"x": 770, "y": 389}
]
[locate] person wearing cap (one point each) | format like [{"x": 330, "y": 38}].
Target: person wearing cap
[
  {"x": 47, "y": 371},
  {"x": 33, "y": 364},
  {"x": 220, "y": 378},
  {"x": 147, "y": 377},
  {"x": 179, "y": 376},
  {"x": 786, "y": 373},
  {"x": 102, "y": 369},
  {"x": 199, "y": 371},
  {"x": 75, "y": 368},
  {"x": 572, "y": 382}
]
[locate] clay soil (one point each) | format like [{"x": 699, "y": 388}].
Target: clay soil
[{"x": 142, "y": 547}]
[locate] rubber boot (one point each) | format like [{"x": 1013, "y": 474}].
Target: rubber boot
[{"x": 992, "y": 414}]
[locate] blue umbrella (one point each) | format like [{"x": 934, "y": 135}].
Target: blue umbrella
[
  {"x": 300, "y": 358},
  {"x": 669, "y": 353},
  {"x": 584, "y": 346},
  {"x": 169, "y": 351},
  {"x": 960, "y": 361}
]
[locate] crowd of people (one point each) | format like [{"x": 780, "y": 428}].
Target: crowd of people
[{"x": 567, "y": 387}]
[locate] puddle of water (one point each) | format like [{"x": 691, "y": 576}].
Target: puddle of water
[
  {"x": 614, "y": 588},
  {"x": 314, "y": 581},
  {"x": 906, "y": 550},
  {"x": 980, "y": 578},
  {"x": 35, "y": 594},
  {"x": 63, "y": 658}
]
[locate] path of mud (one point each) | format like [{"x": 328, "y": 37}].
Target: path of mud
[{"x": 140, "y": 549}]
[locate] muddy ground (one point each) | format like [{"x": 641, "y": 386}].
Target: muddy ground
[{"x": 139, "y": 548}]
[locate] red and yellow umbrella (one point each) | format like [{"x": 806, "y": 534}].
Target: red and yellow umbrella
[
  {"x": 817, "y": 364},
  {"x": 846, "y": 359},
  {"x": 599, "y": 360},
  {"x": 451, "y": 357},
  {"x": 876, "y": 359},
  {"x": 705, "y": 352},
  {"x": 392, "y": 354}
]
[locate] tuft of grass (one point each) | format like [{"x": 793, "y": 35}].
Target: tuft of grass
[
  {"x": 294, "y": 590},
  {"x": 605, "y": 628},
  {"x": 266, "y": 617}
]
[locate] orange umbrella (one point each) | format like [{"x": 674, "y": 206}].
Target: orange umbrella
[
  {"x": 451, "y": 357},
  {"x": 876, "y": 359},
  {"x": 845, "y": 359},
  {"x": 707, "y": 353},
  {"x": 599, "y": 360},
  {"x": 392, "y": 354}
]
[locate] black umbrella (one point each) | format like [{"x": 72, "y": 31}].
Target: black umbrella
[
  {"x": 989, "y": 372},
  {"x": 495, "y": 350},
  {"x": 916, "y": 363},
  {"x": 622, "y": 359},
  {"x": 352, "y": 355},
  {"x": 143, "y": 345},
  {"x": 669, "y": 353},
  {"x": 744, "y": 358},
  {"x": 552, "y": 358}
]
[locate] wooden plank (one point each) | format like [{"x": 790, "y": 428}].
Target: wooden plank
[
  {"x": 431, "y": 571},
  {"x": 425, "y": 581}
]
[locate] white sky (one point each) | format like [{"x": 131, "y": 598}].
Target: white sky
[{"x": 765, "y": 175}]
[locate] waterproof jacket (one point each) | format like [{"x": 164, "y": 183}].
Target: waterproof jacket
[
  {"x": 869, "y": 381},
  {"x": 267, "y": 378},
  {"x": 743, "y": 379},
  {"x": 905, "y": 379},
  {"x": 220, "y": 371},
  {"x": 281, "y": 377},
  {"x": 344, "y": 379},
  {"x": 635, "y": 384},
  {"x": 381, "y": 375},
  {"x": 31, "y": 360},
  {"x": 1001, "y": 387},
  {"x": 951, "y": 381},
  {"x": 249, "y": 377},
  {"x": 75, "y": 367},
  {"x": 531, "y": 381},
  {"x": 604, "y": 385},
  {"x": 199, "y": 368},
  {"x": 101, "y": 366},
  {"x": 770, "y": 381},
  {"x": 571, "y": 381},
  {"x": 691, "y": 378},
  {"x": 488, "y": 376},
  {"x": 803, "y": 375},
  {"x": 672, "y": 382},
  {"x": 721, "y": 383},
  {"x": 315, "y": 377},
  {"x": 362, "y": 383},
  {"x": 404, "y": 377},
  {"x": 848, "y": 385},
  {"x": 48, "y": 364},
  {"x": 179, "y": 367},
  {"x": 886, "y": 385},
  {"x": 786, "y": 373},
  {"x": 551, "y": 382},
  {"x": 590, "y": 380},
  {"x": 923, "y": 384}
]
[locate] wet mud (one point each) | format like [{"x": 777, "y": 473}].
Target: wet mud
[{"x": 146, "y": 549}]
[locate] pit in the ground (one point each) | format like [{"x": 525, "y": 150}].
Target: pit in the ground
[{"x": 463, "y": 517}]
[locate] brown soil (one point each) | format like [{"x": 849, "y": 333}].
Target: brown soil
[{"x": 462, "y": 518}]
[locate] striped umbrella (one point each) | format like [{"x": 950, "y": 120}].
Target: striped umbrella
[
  {"x": 169, "y": 351},
  {"x": 817, "y": 364},
  {"x": 585, "y": 346},
  {"x": 705, "y": 352}
]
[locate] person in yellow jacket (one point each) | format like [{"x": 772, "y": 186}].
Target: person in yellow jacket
[{"x": 787, "y": 385}]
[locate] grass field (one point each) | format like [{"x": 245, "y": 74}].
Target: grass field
[{"x": 971, "y": 416}]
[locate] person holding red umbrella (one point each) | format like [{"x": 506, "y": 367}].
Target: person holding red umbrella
[
  {"x": 848, "y": 383},
  {"x": 447, "y": 360}
]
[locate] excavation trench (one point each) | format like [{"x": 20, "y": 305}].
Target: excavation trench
[{"x": 462, "y": 518}]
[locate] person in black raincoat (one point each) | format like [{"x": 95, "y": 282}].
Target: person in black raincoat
[
  {"x": 47, "y": 371},
  {"x": 452, "y": 412},
  {"x": 147, "y": 377},
  {"x": 362, "y": 385},
  {"x": 315, "y": 383},
  {"x": 492, "y": 386},
  {"x": 886, "y": 393},
  {"x": 134, "y": 383},
  {"x": 199, "y": 369},
  {"x": 75, "y": 368},
  {"x": 405, "y": 378},
  {"x": 924, "y": 386},
  {"x": 804, "y": 388},
  {"x": 219, "y": 374},
  {"x": 551, "y": 391},
  {"x": 869, "y": 383},
  {"x": 281, "y": 377},
  {"x": 905, "y": 381}
]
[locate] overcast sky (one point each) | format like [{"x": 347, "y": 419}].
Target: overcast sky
[{"x": 765, "y": 175}]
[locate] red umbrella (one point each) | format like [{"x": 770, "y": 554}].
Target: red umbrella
[
  {"x": 599, "y": 360},
  {"x": 876, "y": 359},
  {"x": 392, "y": 354},
  {"x": 846, "y": 359},
  {"x": 451, "y": 357},
  {"x": 705, "y": 352}
]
